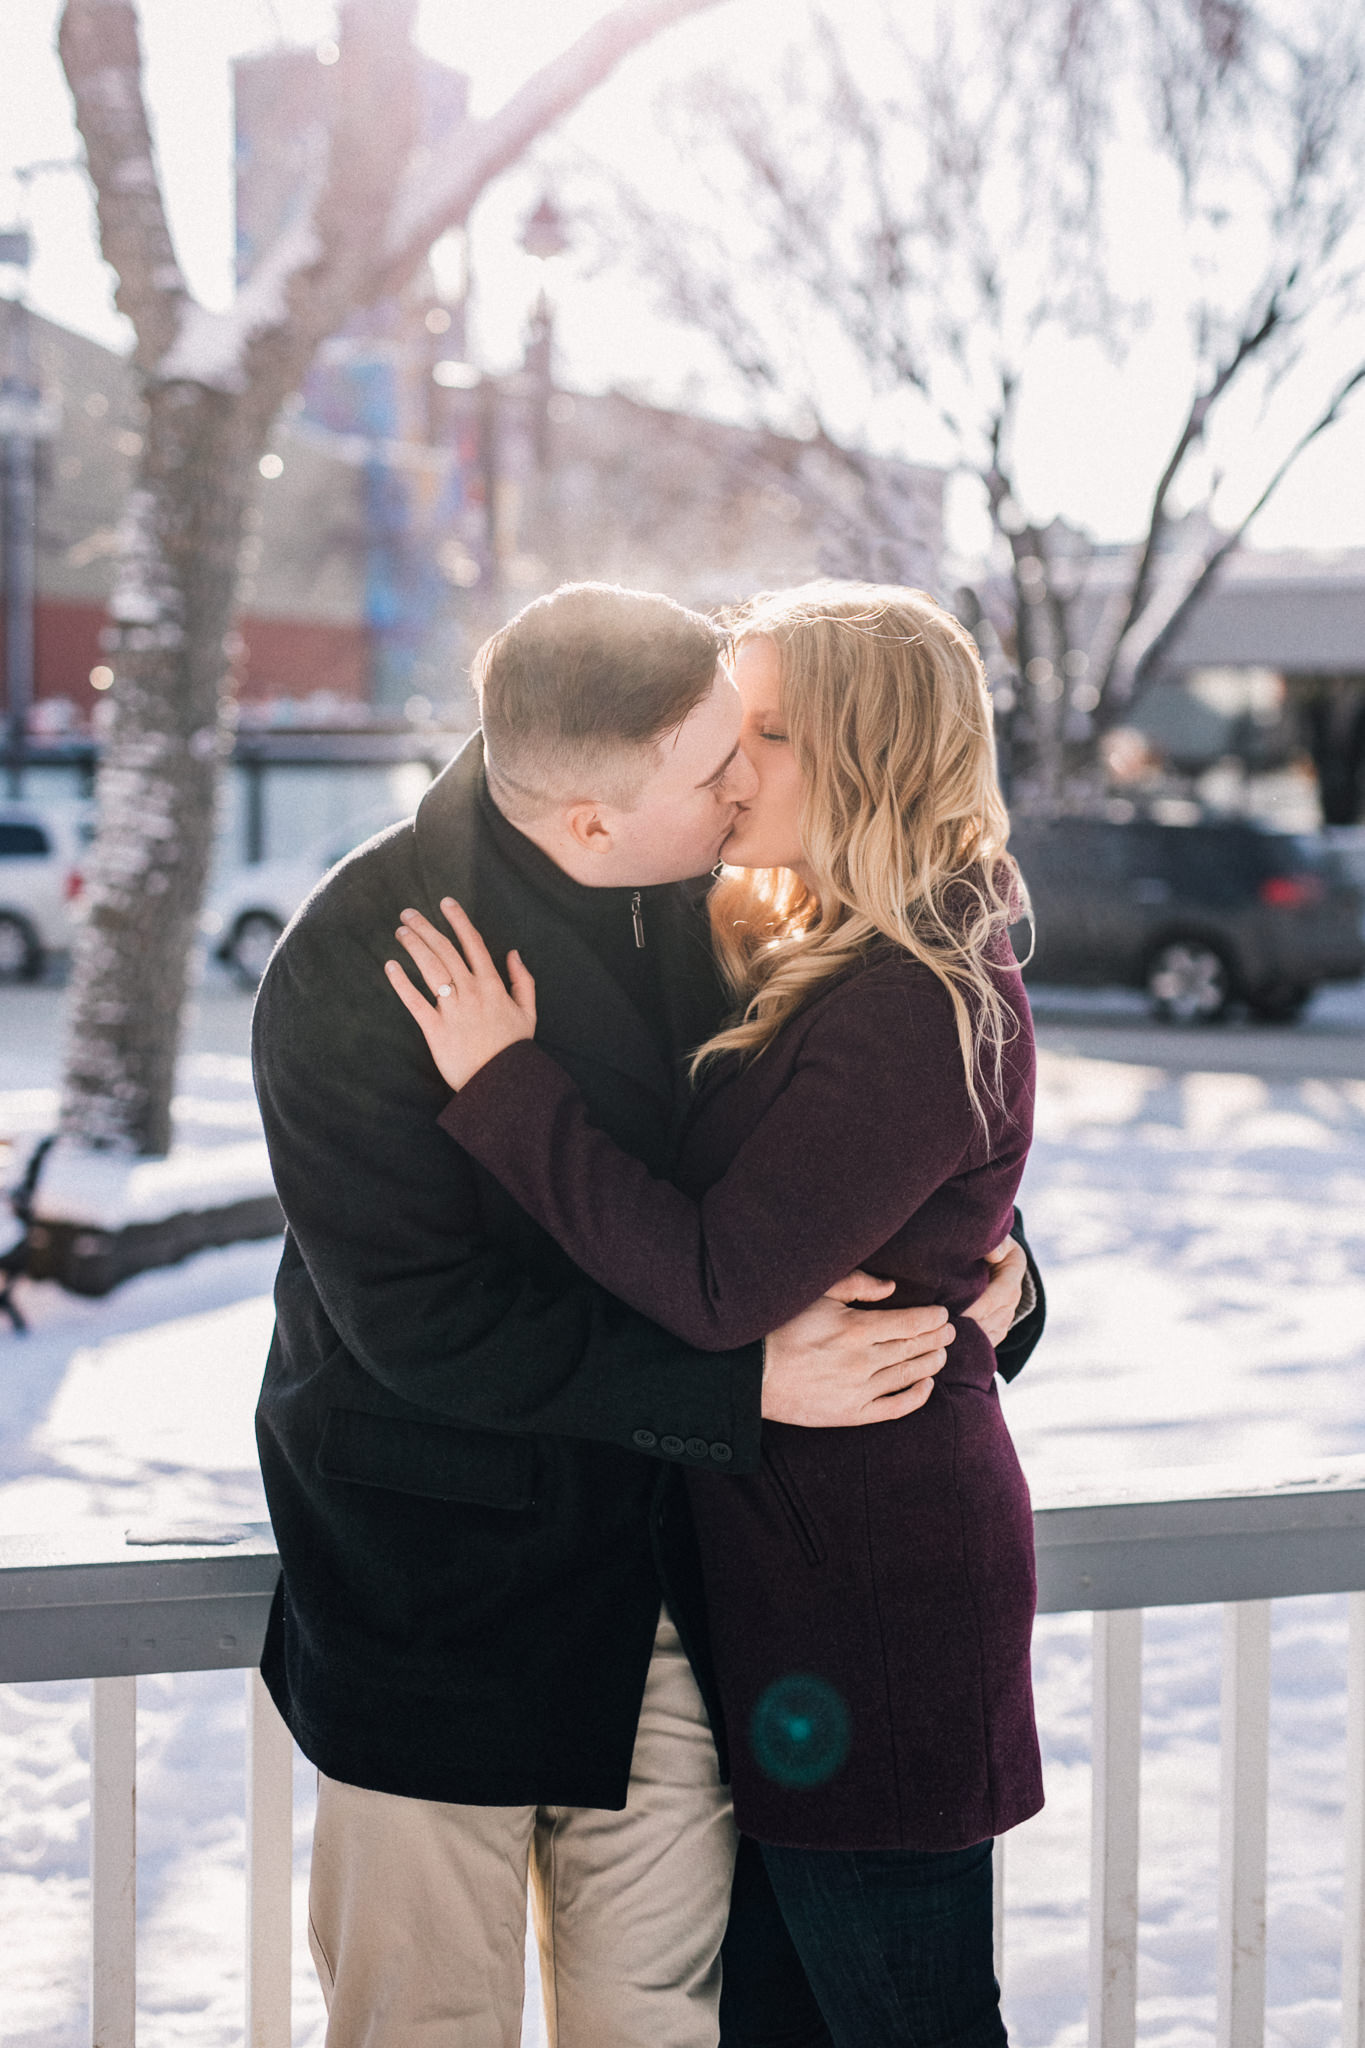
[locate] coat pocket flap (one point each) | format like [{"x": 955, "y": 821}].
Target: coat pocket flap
[{"x": 427, "y": 1458}]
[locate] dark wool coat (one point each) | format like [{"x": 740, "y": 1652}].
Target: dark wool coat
[
  {"x": 871, "y": 1590},
  {"x": 467, "y": 1446}
]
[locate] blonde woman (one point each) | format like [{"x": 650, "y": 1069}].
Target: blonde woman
[{"x": 871, "y": 1590}]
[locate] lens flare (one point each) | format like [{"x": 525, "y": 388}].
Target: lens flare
[{"x": 799, "y": 1732}]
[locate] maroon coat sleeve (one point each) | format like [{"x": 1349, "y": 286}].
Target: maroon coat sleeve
[{"x": 874, "y": 1116}]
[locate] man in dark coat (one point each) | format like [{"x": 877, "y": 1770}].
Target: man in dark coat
[{"x": 489, "y": 1634}]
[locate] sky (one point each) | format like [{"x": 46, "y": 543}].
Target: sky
[{"x": 1091, "y": 426}]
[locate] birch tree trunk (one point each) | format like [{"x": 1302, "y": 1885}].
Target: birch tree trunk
[
  {"x": 213, "y": 384},
  {"x": 171, "y": 611}
]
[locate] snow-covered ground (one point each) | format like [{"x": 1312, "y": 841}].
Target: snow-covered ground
[
  {"x": 1202, "y": 1238},
  {"x": 1202, "y": 1234}
]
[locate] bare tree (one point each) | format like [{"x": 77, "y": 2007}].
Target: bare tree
[
  {"x": 213, "y": 385},
  {"x": 1285, "y": 112},
  {"x": 883, "y": 245}
]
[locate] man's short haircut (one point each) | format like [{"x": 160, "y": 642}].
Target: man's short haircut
[{"x": 578, "y": 689}]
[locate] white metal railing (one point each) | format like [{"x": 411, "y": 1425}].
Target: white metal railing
[
  {"x": 160, "y": 1602},
  {"x": 113, "y": 1865},
  {"x": 1188, "y": 1538},
  {"x": 1116, "y": 1747},
  {"x": 172, "y": 1600}
]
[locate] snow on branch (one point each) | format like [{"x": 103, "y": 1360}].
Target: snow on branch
[
  {"x": 102, "y": 57},
  {"x": 1231, "y": 541},
  {"x": 438, "y": 195},
  {"x": 111, "y": 1191},
  {"x": 210, "y": 348}
]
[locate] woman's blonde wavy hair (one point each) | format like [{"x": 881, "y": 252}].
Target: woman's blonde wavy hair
[{"x": 885, "y": 703}]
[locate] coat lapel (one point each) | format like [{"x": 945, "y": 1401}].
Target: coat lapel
[{"x": 582, "y": 1011}]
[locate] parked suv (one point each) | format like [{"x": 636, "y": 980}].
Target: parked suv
[
  {"x": 40, "y": 883},
  {"x": 1202, "y": 916}
]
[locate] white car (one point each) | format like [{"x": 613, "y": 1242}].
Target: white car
[
  {"x": 246, "y": 914},
  {"x": 41, "y": 881}
]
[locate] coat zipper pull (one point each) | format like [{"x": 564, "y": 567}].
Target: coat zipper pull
[{"x": 637, "y": 919}]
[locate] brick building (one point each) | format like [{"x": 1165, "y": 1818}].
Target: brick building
[{"x": 513, "y": 488}]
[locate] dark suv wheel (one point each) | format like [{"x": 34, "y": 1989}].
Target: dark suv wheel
[
  {"x": 254, "y": 937},
  {"x": 1188, "y": 981},
  {"x": 21, "y": 957}
]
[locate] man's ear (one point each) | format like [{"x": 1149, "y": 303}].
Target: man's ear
[{"x": 588, "y": 827}]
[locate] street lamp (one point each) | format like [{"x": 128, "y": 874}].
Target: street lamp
[
  {"x": 544, "y": 234},
  {"x": 544, "y": 237}
]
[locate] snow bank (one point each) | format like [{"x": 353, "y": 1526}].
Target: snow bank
[{"x": 108, "y": 1191}]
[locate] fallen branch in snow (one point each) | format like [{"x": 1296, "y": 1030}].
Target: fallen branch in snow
[{"x": 95, "y": 1219}]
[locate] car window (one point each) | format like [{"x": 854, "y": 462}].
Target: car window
[
  {"x": 1217, "y": 865},
  {"x": 1062, "y": 852},
  {"x": 17, "y": 841},
  {"x": 1111, "y": 853}
]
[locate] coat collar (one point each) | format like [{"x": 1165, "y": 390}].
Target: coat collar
[{"x": 581, "y": 1009}]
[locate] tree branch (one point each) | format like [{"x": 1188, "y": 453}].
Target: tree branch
[
  {"x": 1249, "y": 343},
  {"x": 1331, "y": 412},
  {"x": 437, "y": 196},
  {"x": 102, "y": 58}
]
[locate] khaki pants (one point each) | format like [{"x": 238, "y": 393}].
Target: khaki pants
[{"x": 417, "y": 1910}]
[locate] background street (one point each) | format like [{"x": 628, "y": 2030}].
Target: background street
[{"x": 1108, "y": 1024}]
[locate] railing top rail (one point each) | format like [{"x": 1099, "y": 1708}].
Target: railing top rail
[
  {"x": 97, "y": 1603},
  {"x": 1195, "y": 1534},
  {"x": 147, "y": 1562},
  {"x": 101, "y": 1602},
  {"x": 1200, "y": 1484}
]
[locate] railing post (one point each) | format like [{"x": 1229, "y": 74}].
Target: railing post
[
  {"x": 113, "y": 1862},
  {"x": 269, "y": 1868},
  {"x": 1116, "y": 1755},
  {"x": 1353, "y": 1930},
  {"x": 1242, "y": 1831}
]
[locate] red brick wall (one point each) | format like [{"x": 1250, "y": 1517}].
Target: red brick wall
[
  {"x": 282, "y": 657},
  {"x": 294, "y": 657},
  {"x": 66, "y": 646}
]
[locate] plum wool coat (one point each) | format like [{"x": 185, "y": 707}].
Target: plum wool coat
[{"x": 893, "y": 1563}]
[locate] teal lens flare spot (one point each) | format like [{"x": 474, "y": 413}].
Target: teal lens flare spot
[{"x": 799, "y": 1732}]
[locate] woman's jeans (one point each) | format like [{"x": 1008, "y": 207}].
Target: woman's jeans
[{"x": 896, "y": 1947}]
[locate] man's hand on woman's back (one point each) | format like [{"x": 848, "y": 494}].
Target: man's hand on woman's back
[{"x": 834, "y": 1367}]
